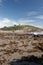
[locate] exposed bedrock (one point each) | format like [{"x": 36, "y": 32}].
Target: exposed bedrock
[{"x": 14, "y": 46}]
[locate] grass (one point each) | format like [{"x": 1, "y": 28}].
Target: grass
[{"x": 21, "y": 27}]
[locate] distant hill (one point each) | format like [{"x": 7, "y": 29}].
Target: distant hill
[{"x": 22, "y": 27}]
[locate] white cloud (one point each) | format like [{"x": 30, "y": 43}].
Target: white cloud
[
  {"x": 7, "y": 22},
  {"x": 40, "y": 17},
  {"x": 25, "y": 21},
  {"x": 16, "y": 0},
  {"x": 1, "y": 2},
  {"x": 32, "y": 13}
]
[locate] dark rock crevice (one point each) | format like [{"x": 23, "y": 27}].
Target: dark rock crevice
[{"x": 28, "y": 61}]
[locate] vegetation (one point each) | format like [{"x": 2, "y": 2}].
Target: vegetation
[{"x": 21, "y": 27}]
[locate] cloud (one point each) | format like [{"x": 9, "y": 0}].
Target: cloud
[
  {"x": 16, "y": 0},
  {"x": 7, "y": 22},
  {"x": 25, "y": 21},
  {"x": 32, "y": 13},
  {"x": 1, "y": 2},
  {"x": 40, "y": 17}
]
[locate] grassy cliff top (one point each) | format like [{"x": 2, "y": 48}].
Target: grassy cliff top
[{"x": 22, "y": 27}]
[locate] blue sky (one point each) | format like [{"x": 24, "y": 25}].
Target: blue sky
[{"x": 21, "y": 12}]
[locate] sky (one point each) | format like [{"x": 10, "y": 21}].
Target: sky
[{"x": 24, "y": 12}]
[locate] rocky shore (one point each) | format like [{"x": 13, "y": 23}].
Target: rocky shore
[
  {"x": 13, "y": 46},
  {"x": 32, "y": 60}
]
